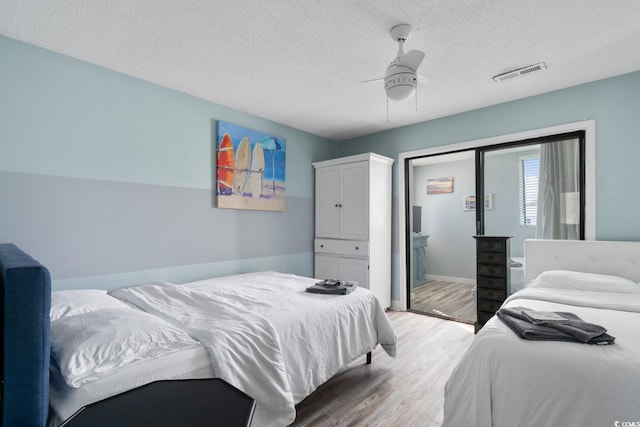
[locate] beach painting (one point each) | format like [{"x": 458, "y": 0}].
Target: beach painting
[
  {"x": 440, "y": 185},
  {"x": 250, "y": 169}
]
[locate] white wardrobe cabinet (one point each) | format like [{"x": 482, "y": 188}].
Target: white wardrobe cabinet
[
  {"x": 341, "y": 202},
  {"x": 353, "y": 222}
]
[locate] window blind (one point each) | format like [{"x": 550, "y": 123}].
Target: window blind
[{"x": 529, "y": 172}]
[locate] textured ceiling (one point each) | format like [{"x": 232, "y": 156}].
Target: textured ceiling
[{"x": 299, "y": 62}]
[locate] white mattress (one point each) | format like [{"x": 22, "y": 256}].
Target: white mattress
[
  {"x": 505, "y": 381},
  {"x": 65, "y": 401},
  {"x": 298, "y": 339}
]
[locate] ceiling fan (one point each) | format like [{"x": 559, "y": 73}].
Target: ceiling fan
[{"x": 401, "y": 77}]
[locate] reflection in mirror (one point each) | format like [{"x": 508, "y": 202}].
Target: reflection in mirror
[
  {"x": 441, "y": 251},
  {"x": 533, "y": 192}
]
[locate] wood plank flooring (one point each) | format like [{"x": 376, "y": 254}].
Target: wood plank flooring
[
  {"x": 404, "y": 391},
  {"x": 446, "y": 299}
]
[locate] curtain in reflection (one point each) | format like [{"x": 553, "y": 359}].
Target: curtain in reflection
[{"x": 558, "y": 191}]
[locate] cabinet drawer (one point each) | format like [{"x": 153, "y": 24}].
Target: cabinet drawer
[
  {"x": 491, "y": 258},
  {"x": 492, "y": 282},
  {"x": 483, "y": 317},
  {"x": 342, "y": 247},
  {"x": 488, "y": 306},
  {"x": 491, "y": 270},
  {"x": 491, "y": 294},
  {"x": 491, "y": 245}
]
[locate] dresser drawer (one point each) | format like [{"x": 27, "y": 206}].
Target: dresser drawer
[
  {"x": 342, "y": 247},
  {"x": 491, "y": 270},
  {"x": 492, "y": 282},
  {"x": 488, "y": 306},
  {"x": 486, "y": 245},
  {"x": 491, "y": 294},
  {"x": 492, "y": 258}
]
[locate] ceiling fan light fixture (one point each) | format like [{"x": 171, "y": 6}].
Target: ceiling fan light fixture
[
  {"x": 400, "y": 85},
  {"x": 401, "y": 77}
]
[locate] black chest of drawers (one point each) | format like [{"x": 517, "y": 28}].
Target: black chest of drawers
[{"x": 492, "y": 261}]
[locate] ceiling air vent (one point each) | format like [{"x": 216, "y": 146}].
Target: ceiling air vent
[{"x": 520, "y": 72}]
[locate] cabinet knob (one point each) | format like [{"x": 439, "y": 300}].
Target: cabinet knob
[
  {"x": 357, "y": 248},
  {"x": 340, "y": 205},
  {"x": 322, "y": 246},
  {"x": 336, "y": 205}
]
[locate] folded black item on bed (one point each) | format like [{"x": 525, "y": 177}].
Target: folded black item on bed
[
  {"x": 571, "y": 328},
  {"x": 333, "y": 287}
]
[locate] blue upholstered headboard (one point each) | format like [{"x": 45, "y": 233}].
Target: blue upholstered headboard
[{"x": 25, "y": 301}]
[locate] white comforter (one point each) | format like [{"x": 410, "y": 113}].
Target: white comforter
[
  {"x": 504, "y": 381},
  {"x": 269, "y": 337}
]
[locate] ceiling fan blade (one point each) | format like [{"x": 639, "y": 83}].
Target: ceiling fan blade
[
  {"x": 373, "y": 80},
  {"x": 412, "y": 59}
]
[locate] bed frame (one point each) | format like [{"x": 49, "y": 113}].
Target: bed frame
[
  {"x": 602, "y": 257},
  {"x": 25, "y": 301}
]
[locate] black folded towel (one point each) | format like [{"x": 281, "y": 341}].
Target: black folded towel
[
  {"x": 570, "y": 328},
  {"x": 333, "y": 287}
]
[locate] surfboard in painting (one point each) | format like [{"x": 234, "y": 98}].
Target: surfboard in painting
[
  {"x": 241, "y": 170},
  {"x": 225, "y": 165},
  {"x": 251, "y": 169},
  {"x": 257, "y": 171}
]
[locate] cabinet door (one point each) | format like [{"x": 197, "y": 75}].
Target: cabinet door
[
  {"x": 328, "y": 202},
  {"x": 327, "y": 267},
  {"x": 354, "y": 198},
  {"x": 356, "y": 270}
]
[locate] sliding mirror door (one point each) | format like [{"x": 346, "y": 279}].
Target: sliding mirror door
[
  {"x": 532, "y": 190},
  {"x": 441, "y": 251}
]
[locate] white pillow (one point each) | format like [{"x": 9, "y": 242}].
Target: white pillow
[
  {"x": 69, "y": 303},
  {"x": 91, "y": 345},
  {"x": 562, "y": 279}
]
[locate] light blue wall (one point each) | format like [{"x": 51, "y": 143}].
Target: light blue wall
[
  {"x": 613, "y": 103},
  {"x": 451, "y": 250},
  {"x": 64, "y": 118},
  {"x": 106, "y": 176}
]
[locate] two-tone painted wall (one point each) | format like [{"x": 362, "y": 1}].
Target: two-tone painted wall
[{"x": 107, "y": 180}]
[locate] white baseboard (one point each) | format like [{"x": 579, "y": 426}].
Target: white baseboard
[{"x": 451, "y": 279}]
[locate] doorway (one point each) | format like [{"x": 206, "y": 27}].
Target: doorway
[
  {"x": 505, "y": 201},
  {"x": 442, "y": 260}
]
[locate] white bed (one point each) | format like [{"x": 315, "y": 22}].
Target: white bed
[
  {"x": 505, "y": 381},
  {"x": 297, "y": 340}
]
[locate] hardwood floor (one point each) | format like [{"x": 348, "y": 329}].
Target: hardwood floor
[
  {"x": 404, "y": 391},
  {"x": 446, "y": 299}
]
